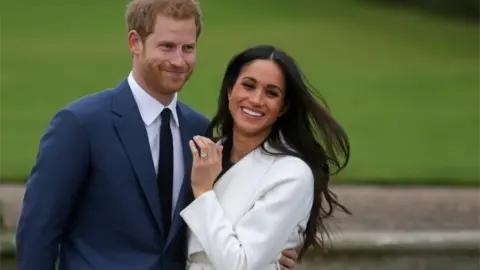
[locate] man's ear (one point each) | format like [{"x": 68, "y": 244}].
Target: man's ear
[{"x": 135, "y": 43}]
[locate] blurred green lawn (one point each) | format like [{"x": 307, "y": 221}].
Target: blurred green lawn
[{"x": 404, "y": 84}]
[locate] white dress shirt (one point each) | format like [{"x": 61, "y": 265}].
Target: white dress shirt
[{"x": 150, "y": 110}]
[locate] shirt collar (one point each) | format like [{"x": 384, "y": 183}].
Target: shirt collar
[{"x": 148, "y": 106}]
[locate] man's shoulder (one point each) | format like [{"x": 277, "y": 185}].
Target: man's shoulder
[
  {"x": 91, "y": 103},
  {"x": 193, "y": 115},
  {"x": 93, "y": 107}
]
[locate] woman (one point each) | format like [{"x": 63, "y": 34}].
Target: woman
[{"x": 262, "y": 187}]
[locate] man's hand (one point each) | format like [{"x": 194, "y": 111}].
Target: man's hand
[{"x": 288, "y": 259}]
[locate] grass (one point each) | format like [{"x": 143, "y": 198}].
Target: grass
[{"x": 404, "y": 84}]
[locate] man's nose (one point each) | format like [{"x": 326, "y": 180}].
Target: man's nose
[{"x": 177, "y": 58}]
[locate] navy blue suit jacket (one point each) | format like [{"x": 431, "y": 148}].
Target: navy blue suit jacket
[{"x": 92, "y": 199}]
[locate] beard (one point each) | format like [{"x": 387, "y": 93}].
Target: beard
[{"x": 164, "y": 80}]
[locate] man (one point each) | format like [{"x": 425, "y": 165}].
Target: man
[{"x": 112, "y": 172}]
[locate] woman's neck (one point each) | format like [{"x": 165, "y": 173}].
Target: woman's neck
[{"x": 243, "y": 144}]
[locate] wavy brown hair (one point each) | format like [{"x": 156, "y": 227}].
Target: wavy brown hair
[
  {"x": 142, "y": 14},
  {"x": 306, "y": 130}
]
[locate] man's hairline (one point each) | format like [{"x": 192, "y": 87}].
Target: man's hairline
[{"x": 166, "y": 15}]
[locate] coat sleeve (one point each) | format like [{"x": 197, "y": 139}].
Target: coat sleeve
[
  {"x": 60, "y": 169},
  {"x": 261, "y": 234}
]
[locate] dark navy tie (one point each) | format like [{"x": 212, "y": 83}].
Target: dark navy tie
[{"x": 165, "y": 168}]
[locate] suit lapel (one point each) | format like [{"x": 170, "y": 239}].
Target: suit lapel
[
  {"x": 186, "y": 195},
  {"x": 131, "y": 131}
]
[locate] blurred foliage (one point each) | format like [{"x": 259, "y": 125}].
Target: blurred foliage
[
  {"x": 403, "y": 83},
  {"x": 466, "y": 9}
]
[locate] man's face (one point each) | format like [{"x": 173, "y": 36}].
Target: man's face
[{"x": 166, "y": 58}]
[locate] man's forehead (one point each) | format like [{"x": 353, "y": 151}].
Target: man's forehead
[
  {"x": 164, "y": 23},
  {"x": 173, "y": 39},
  {"x": 178, "y": 31}
]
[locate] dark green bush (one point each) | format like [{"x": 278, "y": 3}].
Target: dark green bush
[{"x": 467, "y": 9}]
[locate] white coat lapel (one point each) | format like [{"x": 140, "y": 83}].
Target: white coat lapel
[{"x": 236, "y": 188}]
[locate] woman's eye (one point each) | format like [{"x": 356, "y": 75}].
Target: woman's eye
[
  {"x": 272, "y": 93},
  {"x": 248, "y": 86}
]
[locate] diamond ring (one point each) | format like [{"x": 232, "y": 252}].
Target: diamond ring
[{"x": 203, "y": 155}]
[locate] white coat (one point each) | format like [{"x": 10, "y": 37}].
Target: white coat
[{"x": 256, "y": 209}]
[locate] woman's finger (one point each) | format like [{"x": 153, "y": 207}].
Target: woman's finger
[
  {"x": 217, "y": 149},
  {"x": 206, "y": 140},
  {"x": 215, "y": 156},
  {"x": 212, "y": 153},
  {"x": 194, "y": 150},
  {"x": 220, "y": 151},
  {"x": 211, "y": 147},
  {"x": 203, "y": 147}
]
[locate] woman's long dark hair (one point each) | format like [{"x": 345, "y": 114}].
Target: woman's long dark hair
[{"x": 306, "y": 126}]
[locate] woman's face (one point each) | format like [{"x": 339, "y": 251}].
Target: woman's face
[{"x": 256, "y": 99}]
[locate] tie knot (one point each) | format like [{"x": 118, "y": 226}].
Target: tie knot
[{"x": 165, "y": 114}]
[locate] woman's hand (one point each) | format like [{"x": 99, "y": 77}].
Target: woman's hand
[{"x": 207, "y": 164}]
